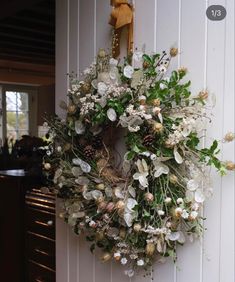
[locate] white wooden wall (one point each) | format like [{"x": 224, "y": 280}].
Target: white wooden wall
[{"x": 207, "y": 50}]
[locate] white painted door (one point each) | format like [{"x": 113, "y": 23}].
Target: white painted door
[{"x": 207, "y": 50}]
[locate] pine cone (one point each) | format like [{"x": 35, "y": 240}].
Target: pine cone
[
  {"x": 97, "y": 142},
  {"x": 89, "y": 152},
  {"x": 148, "y": 140}
]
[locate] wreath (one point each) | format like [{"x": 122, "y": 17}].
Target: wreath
[{"x": 139, "y": 205}]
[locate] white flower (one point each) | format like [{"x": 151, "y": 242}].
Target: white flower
[
  {"x": 185, "y": 214},
  {"x": 143, "y": 173},
  {"x": 140, "y": 262},
  {"x": 192, "y": 185},
  {"x": 160, "y": 168},
  {"x": 137, "y": 56},
  {"x": 123, "y": 261},
  {"x": 129, "y": 273},
  {"x": 193, "y": 214},
  {"x": 162, "y": 86},
  {"x": 162, "y": 69},
  {"x": 113, "y": 62},
  {"x": 179, "y": 201},
  {"x": 111, "y": 114},
  {"x": 128, "y": 71},
  {"x": 168, "y": 200},
  {"x": 129, "y": 212},
  {"x": 59, "y": 149},
  {"x": 177, "y": 156},
  {"x": 160, "y": 212},
  {"x": 173, "y": 236},
  {"x": 79, "y": 127},
  {"x": 102, "y": 88},
  {"x": 199, "y": 196},
  {"x": 195, "y": 206},
  {"x": 132, "y": 122},
  {"x": 153, "y": 157},
  {"x": 85, "y": 167}
]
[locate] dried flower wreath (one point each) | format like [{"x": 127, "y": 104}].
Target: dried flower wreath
[{"x": 139, "y": 210}]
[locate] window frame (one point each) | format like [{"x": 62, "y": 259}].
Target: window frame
[{"x": 32, "y": 106}]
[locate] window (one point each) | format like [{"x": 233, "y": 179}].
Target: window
[
  {"x": 17, "y": 114},
  {"x": 18, "y": 111}
]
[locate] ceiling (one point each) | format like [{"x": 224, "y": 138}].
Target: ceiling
[{"x": 27, "y": 31}]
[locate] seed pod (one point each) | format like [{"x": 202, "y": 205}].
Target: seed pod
[
  {"x": 150, "y": 248},
  {"x": 229, "y": 137},
  {"x": 100, "y": 186},
  {"x": 230, "y": 165},
  {"x": 71, "y": 109},
  {"x": 173, "y": 179},
  {"x": 148, "y": 197},
  {"x": 174, "y": 52},
  {"x": 157, "y": 127},
  {"x": 137, "y": 227},
  {"x": 120, "y": 205},
  {"x": 122, "y": 233},
  {"x": 106, "y": 257}
]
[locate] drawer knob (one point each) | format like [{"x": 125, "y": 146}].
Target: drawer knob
[{"x": 50, "y": 222}]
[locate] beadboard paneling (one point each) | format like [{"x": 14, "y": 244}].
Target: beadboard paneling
[{"x": 207, "y": 50}]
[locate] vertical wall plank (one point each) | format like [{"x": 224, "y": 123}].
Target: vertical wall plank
[
  {"x": 62, "y": 269},
  {"x": 73, "y": 57},
  {"x": 62, "y": 252},
  {"x": 61, "y": 52},
  {"x": 144, "y": 29},
  {"x": 192, "y": 48},
  {"x": 103, "y": 29},
  {"x": 167, "y": 31},
  {"x": 215, "y": 77},
  {"x": 86, "y": 33},
  {"x": 228, "y": 200}
]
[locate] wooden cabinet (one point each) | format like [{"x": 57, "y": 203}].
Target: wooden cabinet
[
  {"x": 27, "y": 229},
  {"x": 40, "y": 236}
]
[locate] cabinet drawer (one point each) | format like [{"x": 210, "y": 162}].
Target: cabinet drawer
[
  {"x": 39, "y": 273},
  {"x": 40, "y": 222},
  {"x": 41, "y": 250}
]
